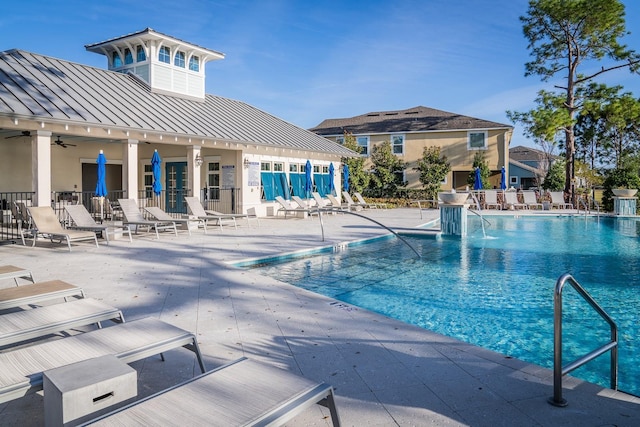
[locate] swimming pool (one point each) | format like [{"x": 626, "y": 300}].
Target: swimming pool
[{"x": 497, "y": 292}]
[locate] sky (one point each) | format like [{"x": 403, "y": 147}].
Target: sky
[{"x": 305, "y": 61}]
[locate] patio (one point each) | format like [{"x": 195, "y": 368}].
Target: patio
[{"x": 384, "y": 372}]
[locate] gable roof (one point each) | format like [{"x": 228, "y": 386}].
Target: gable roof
[
  {"x": 524, "y": 154},
  {"x": 417, "y": 119},
  {"x": 38, "y": 87}
]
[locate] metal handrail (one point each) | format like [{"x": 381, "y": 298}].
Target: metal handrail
[{"x": 558, "y": 370}]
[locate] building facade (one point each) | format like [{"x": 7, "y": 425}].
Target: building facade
[
  {"x": 410, "y": 131},
  {"x": 56, "y": 116}
]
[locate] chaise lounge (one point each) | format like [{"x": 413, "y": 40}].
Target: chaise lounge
[
  {"x": 46, "y": 224},
  {"x": 241, "y": 393},
  {"x": 199, "y": 212},
  {"x": 82, "y": 220},
  {"x": 133, "y": 216},
  {"x": 21, "y": 369}
]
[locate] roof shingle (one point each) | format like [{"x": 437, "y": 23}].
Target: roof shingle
[{"x": 417, "y": 119}]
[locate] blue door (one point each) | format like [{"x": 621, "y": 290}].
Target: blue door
[{"x": 177, "y": 186}]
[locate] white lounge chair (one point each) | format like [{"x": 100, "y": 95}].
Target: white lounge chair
[
  {"x": 529, "y": 199},
  {"x": 15, "y": 273},
  {"x": 46, "y": 224},
  {"x": 557, "y": 200},
  {"x": 366, "y": 204},
  {"x": 20, "y": 326},
  {"x": 81, "y": 219},
  {"x": 491, "y": 199},
  {"x": 197, "y": 210},
  {"x": 241, "y": 393},
  {"x": 21, "y": 369},
  {"x": 133, "y": 216},
  {"x": 335, "y": 203},
  {"x": 511, "y": 199},
  {"x": 161, "y": 215},
  {"x": 350, "y": 202},
  {"x": 38, "y": 292},
  {"x": 287, "y": 208},
  {"x": 320, "y": 202}
]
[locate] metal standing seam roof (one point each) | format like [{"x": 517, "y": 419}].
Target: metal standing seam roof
[
  {"x": 39, "y": 87},
  {"x": 416, "y": 119}
]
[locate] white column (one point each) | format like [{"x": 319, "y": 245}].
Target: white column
[
  {"x": 130, "y": 168},
  {"x": 41, "y": 168},
  {"x": 194, "y": 171}
]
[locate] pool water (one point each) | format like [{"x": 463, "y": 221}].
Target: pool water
[{"x": 497, "y": 291}]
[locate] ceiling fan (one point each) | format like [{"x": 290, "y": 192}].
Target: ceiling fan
[
  {"x": 61, "y": 143},
  {"x": 23, "y": 133}
]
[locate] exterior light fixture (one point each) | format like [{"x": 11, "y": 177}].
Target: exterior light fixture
[
  {"x": 198, "y": 160},
  {"x": 246, "y": 163}
]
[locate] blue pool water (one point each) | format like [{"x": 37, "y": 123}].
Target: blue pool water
[{"x": 497, "y": 292}]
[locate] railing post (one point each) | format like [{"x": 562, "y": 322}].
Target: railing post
[
  {"x": 557, "y": 399},
  {"x": 558, "y": 370}
]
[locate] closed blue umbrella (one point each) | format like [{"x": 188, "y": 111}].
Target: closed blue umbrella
[
  {"x": 308, "y": 182},
  {"x": 157, "y": 173},
  {"x": 101, "y": 185},
  {"x": 477, "y": 184},
  {"x": 345, "y": 177},
  {"x": 332, "y": 185},
  {"x": 503, "y": 179}
]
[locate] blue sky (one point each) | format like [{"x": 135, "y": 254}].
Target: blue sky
[{"x": 305, "y": 61}]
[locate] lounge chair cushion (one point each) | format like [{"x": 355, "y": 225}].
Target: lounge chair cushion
[
  {"x": 244, "y": 393},
  {"x": 21, "y": 369}
]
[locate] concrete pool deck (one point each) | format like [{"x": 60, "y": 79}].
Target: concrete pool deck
[{"x": 384, "y": 372}]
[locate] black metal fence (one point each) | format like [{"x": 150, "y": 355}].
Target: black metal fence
[{"x": 106, "y": 208}]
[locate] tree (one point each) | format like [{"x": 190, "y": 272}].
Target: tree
[
  {"x": 554, "y": 181},
  {"x": 608, "y": 124},
  {"x": 479, "y": 162},
  {"x": 387, "y": 171},
  {"x": 625, "y": 176},
  {"x": 433, "y": 168},
  {"x": 358, "y": 177},
  {"x": 544, "y": 123},
  {"x": 566, "y": 34}
]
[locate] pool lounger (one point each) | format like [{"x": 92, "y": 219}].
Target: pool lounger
[
  {"x": 39, "y": 322},
  {"x": 37, "y": 292},
  {"x": 21, "y": 369},
  {"x": 242, "y": 393},
  {"x": 15, "y": 273}
]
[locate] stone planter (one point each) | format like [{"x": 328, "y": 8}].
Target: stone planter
[
  {"x": 624, "y": 192},
  {"x": 453, "y": 198}
]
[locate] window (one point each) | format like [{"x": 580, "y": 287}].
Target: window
[
  {"x": 164, "y": 55},
  {"x": 340, "y": 140},
  {"x": 363, "y": 143},
  {"x": 140, "y": 55},
  {"x": 325, "y": 169},
  {"x": 213, "y": 181},
  {"x": 148, "y": 180},
  {"x": 477, "y": 141},
  {"x": 397, "y": 143},
  {"x": 128, "y": 57},
  {"x": 513, "y": 180},
  {"x": 274, "y": 183},
  {"x": 178, "y": 61},
  {"x": 316, "y": 168},
  {"x": 194, "y": 63},
  {"x": 116, "y": 60},
  {"x": 297, "y": 179}
]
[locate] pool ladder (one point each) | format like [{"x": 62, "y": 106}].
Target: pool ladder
[{"x": 558, "y": 370}]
